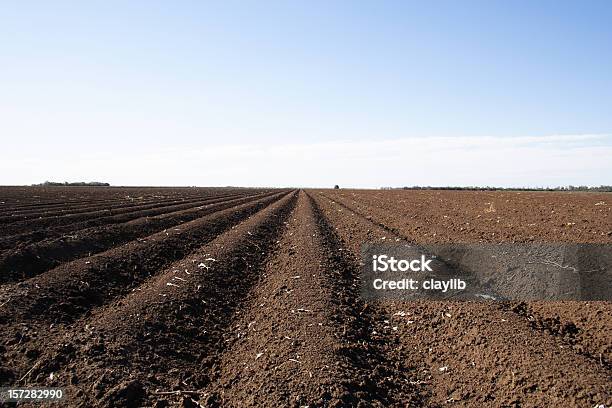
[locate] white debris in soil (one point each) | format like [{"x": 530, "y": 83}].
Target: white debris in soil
[{"x": 488, "y": 297}]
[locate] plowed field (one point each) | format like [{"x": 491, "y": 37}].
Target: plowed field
[{"x": 251, "y": 297}]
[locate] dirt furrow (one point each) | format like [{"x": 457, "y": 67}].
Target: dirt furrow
[
  {"x": 477, "y": 352},
  {"x": 84, "y": 204},
  {"x": 457, "y": 216},
  {"x": 29, "y": 261},
  {"x": 582, "y": 326},
  {"x": 162, "y": 337},
  {"x": 105, "y": 195},
  {"x": 25, "y": 238},
  {"x": 70, "y": 290},
  {"x": 42, "y": 223},
  {"x": 587, "y": 334},
  {"x": 52, "y": 206},
  {"x": 60, "y": 209},
  {"x": 301, "y": 338},
  {"x": 108, "y": 207},
  {"x": 16, "y": 212}
]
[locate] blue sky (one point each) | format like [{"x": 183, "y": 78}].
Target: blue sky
[{"x": 146, "y": 84}]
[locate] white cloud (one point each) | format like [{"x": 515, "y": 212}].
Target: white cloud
[{"x": 495, "y": 161}]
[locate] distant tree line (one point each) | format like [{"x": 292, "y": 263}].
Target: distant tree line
[
  {"x": 488, "y": 188},
  {"x": 79, "y": 183}
]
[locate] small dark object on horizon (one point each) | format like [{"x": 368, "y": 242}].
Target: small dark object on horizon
[{"x": 336, "y": 187}]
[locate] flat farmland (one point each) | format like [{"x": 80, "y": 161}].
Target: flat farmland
[{"x": 251, "y": 297}]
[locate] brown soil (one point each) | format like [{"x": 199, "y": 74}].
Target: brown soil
[
  {"x": 30, "y": 260},
  {"x": 240, "y": 297},
  {"x": 59, "y": 230},
  {"x": 477, "y": 216}
]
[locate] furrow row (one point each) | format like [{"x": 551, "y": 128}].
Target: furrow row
[
  {"x": 51, "y": 222},
  {"x": 109, "y": 206},
  {"x": 24, "y": 198},
  {"x": 468, "y": 347},
  {"x": 31, "y": 260},
  {"x": 63, "y": 294},
  {"x": 167, "y": 326},
  {"x": 588, "y": 334},
  {"x": 31, "y": 236}
]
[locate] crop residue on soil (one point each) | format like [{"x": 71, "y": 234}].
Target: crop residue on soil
[{"x": 251, "y": 297}]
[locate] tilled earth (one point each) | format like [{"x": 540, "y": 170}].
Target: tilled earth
[{"x": 251, "y": 297}]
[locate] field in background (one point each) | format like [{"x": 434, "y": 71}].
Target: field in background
[{"x": 238, "y": 297}]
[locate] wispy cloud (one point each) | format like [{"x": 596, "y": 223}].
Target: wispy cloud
[{"x": 499, "y": 161}]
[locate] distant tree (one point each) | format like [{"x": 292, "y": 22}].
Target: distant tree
[
  {"x": 602, "y": 188},
  {"x": 336, "y": 187},
  {"x": 76, "y": 184}
]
